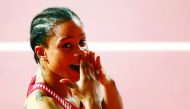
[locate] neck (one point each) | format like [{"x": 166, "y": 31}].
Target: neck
[{"x": 52, "y": 80}]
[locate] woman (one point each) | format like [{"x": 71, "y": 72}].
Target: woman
[{"x": 70, "y": 76}]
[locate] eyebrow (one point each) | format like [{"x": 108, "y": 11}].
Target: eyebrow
[{"x": 69, "y": 37}]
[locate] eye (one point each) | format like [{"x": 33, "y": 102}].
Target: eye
[
  {"x": 82, "y": 43},
  {"x": 67, "y": 45}
]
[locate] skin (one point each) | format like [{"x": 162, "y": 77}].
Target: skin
[{"x": 68, "y": 46}]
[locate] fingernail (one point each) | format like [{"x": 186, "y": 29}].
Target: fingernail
[{"x": 61, "y": 80}]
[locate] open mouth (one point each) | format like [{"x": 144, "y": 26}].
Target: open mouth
[{"x": 75, "y": 67}]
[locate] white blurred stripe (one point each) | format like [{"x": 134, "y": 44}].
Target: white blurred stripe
[
  {"x": 140, "y": 46},
  {"x": 14, "y": 46},
  {"x": 110, "y": 46}
]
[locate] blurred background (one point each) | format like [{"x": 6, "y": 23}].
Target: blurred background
[{"x": 145, "y": 79}]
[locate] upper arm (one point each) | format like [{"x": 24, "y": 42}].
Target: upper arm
[
  {"x": 37, "y": 101},
  {"x": 41, "y": 105},
  {"x": 47, "y": 103}
]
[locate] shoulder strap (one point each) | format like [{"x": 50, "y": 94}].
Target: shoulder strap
[{"x": 63, "y": 102}]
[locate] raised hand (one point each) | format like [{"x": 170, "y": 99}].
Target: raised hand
[{"x": 87, "y": 89}]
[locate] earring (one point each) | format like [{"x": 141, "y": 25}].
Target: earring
[{"x": 42, "y": 58}]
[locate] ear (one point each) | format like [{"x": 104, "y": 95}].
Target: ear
[{"x": 40, "y": 52}]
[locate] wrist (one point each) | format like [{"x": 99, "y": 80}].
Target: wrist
[
  {"x": 92, "y": 104},
  {"x": 109, "y": 83}
]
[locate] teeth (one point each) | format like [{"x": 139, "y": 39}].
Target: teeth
[{"x": 75, "y": 67}]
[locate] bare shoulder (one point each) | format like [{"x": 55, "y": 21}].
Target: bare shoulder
[{"x": 39, "y": 100}]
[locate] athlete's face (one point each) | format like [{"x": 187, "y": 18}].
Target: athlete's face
[{"x": 65, "y": 49}]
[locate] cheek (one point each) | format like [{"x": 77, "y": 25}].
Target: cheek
[
  {"x": 55, "y": 62},
  {"x": 59, "y": 61},
  {"x": 59, "y": 67}
]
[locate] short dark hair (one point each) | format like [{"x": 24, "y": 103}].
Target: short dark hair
[{"x": 43, "y": 23}]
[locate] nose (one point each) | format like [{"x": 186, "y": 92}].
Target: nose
[{"x": 79, "y": 51}]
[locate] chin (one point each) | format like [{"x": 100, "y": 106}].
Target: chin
[
  {"x": 74, "y": 76},
  {"x": 75, "y": 79}
]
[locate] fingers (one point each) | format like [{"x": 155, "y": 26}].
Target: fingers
[
  {"x": 101, "y": 75},
  {"x": 92, "y": 59},
  {"x": 103, "y": 78},
  {"x": 99, "y": 65},
  {"x": 93, "y": 65},
  {"x": 88, "y": 65},
  {"x": 69, "y": 83},
  {"x": 83, "y": 66}
]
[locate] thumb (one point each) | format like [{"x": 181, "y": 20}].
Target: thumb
[{"x": 69, "y": 83}]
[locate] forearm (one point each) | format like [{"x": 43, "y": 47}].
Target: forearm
[{"x": 112, "y": 98}]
